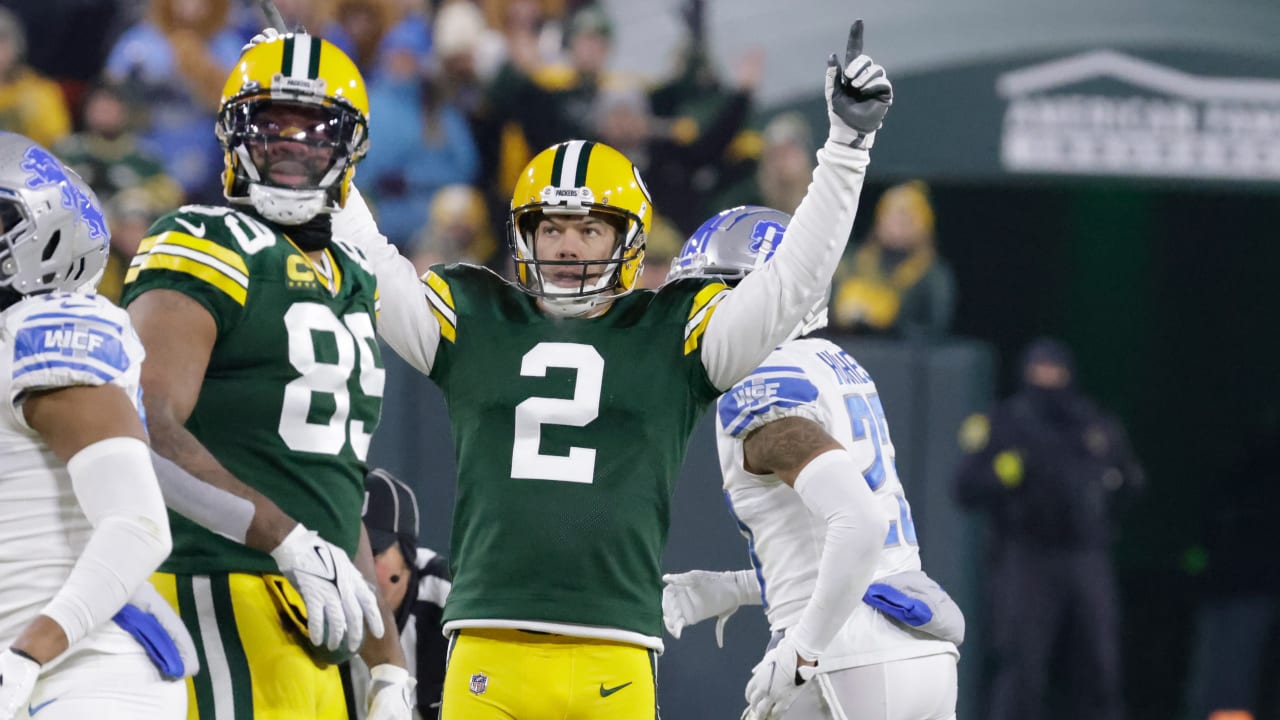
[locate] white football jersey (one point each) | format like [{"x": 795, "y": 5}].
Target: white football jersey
[
  {"x": 816, "y": 379},
  {"x": 52, "y": 341}
]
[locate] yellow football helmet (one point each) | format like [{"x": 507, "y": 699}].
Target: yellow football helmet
[
  {"x": 580, "y": 177},
  {"x": 293, "y": 123}
]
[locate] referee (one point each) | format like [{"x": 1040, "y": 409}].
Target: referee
[{"x": 415, "y": 581}]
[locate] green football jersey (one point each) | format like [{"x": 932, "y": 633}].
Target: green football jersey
[
  {"x": 569, "y": 435},
  {"x": 293, "y": 389}
]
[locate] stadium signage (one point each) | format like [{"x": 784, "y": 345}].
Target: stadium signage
[{"x": 1106, "y": 113}]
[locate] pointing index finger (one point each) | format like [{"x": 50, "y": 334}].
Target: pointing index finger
[{"x": 854, "y": 48}]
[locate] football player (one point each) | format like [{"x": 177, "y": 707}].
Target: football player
[
  {"x": 82, "y": 520},
  {"x": 264, "y": 381},
  {"x": 572, "y": 396},
  {"x": 808, "y": 467}
]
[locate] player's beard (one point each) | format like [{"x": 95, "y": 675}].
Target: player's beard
[{"x": 314, "y": 234}]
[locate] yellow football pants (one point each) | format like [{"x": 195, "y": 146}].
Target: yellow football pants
[
  {"x": 518, "y": 675},
  {"x": 251, "y": 666}
]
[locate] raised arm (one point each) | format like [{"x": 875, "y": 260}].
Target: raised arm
[
  {"x": 406, "y": 321},
  {"x": 771, "y": 302}
]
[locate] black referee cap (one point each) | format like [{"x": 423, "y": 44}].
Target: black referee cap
[{"x": 390, "y": 512}]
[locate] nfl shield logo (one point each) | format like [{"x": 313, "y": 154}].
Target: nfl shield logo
[{"x": 479, "y": 683}]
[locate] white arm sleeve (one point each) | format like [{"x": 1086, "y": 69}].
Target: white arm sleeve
[
  {"x": 213, "y": 508},
  {"x": 832, "y": 487},
  {"x": 406, "y": 322},
  {"x": 117, "y": 490},
  {"x": 772, "y": 301}
]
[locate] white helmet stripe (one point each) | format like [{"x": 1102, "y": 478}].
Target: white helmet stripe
[
  {"x": 569, "y": 172},
  {"x": 301, "y": 56}
]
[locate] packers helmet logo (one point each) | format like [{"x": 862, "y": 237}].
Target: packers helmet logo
[{"x": 298, "y": 272}]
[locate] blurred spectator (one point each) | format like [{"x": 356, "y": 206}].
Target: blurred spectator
[
  {"x": 533, "y": 103},
  {"x": 1239, "y": 613},
  {"x": 545, "y": 16},
  {"x": 29, "y": 103},
  {"x": 660, "y": 248},
  {"x": 108, "y": 156},
  {"x": 312, "y": 15},
  {"x": 776, "y": 172},
  {"x": 466, "y": 52},
  {"x": 670, "y": 152},
  {"x": 895, "y": 283},
  {"x": 175, "y": 63},
  {"x": 130, "y": 182},
  {"x": 365, "y": 23},
  {"x": 423, "y": 145},
  {"x": 1048, "y": 468},
  {"x": 458, "y": 231},
  {"x": 129, "y": 216},
  {"x": 409, "y": 35}
]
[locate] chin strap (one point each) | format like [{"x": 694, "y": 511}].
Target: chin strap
[{"x": 286, "y": 206}]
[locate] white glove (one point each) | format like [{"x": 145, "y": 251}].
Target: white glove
[
  {"x": 146, "y": 599},
  {"x": 339, "y": 601},
  {"x": 17, "y": 679},
  {"x": 691, "y": 597},
  {"x": 390, "y": 693},
  {"x": 856, "y": 105},
  {"x": 266, "y": 34},
  {"x": 775, "y": 682}
]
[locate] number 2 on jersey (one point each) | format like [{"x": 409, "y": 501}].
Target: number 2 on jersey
[{"x": 527, "y": 461}]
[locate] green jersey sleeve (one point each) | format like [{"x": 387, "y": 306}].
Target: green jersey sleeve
[{"x": 193, "y": 251}]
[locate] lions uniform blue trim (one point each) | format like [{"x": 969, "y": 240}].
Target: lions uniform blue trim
[
  {"x": 751, "y": 549},
  {"x": 898, "y": 605},
  {"x": 73, "y": 316},
  {"x": 76, "y": 345},
  {"x": 767, "y": 388}
]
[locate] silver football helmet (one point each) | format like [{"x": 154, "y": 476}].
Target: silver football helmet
[
  {"x": 53, "y": 234},
  {"x": 735, "y": 242}
]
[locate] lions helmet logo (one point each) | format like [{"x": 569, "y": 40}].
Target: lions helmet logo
[
  {"x": 765, "y": 238},
  {"x": 45, "y": 170}
]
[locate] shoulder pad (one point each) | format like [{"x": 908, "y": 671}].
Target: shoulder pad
[
  {"x": 207, "y": 243},
  {"x": 707, "y": 294},
  {"x": 770, "y": 392},
  {"x": 65, "y": 339}
]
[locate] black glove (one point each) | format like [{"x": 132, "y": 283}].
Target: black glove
[{"x": 858, "y": 100}]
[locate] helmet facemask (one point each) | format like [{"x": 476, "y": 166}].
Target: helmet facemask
[
  {"x": 571, "y": 286},
  {"x": 289, "y": 154},
  {"x": 53, "y": 235}
]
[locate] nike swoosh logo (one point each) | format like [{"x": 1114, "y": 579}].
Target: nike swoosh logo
[
  {"x": 326, "y": 561},
  {"x": 33, "y": 709},
  {"x": 197, "y": 230},
  {"x": 606, "y": 692}
]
